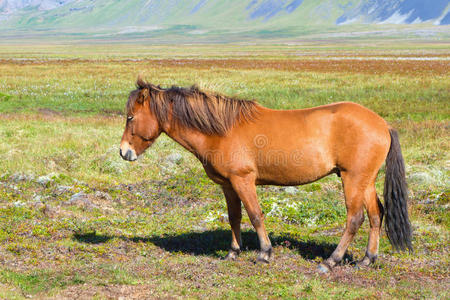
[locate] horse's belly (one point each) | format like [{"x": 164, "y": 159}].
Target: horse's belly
[
  {"x": 285, "y": 178},
  {"x": 295, "y": 169}
]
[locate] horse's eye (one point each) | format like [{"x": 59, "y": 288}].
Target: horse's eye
[{"x": 129, "y": 118}]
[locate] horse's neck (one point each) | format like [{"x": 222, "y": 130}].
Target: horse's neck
[{"x": 192, "y": 140}]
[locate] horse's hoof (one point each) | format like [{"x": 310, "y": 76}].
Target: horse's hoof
[
  {"x": 232, "y": 255},
  {"x": 264, "y": 257},
  {"x": 365, "y": 262},
  {"x": 260, "y": 260},
  {"x": 323, "y": 268}
]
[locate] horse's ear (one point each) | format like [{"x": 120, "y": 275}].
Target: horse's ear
[
  {"x": 144, "y": 94},
  {"x": 140, "y": 82}
]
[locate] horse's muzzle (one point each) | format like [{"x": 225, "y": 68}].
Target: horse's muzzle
[{"x": 129, "y": 155}]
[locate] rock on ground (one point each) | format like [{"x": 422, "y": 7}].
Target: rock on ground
[
  {"x": 63, "y": 189},
  {"x": 44, "y": 180},
  {"x": 291, "y": 190},
  {"x": 80, "y": 199},
  {"x": 174, "y": 158},
  {"x": 103, "y": 195}
]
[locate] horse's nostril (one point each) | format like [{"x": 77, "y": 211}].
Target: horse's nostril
[{"x": 128, "y": 155}]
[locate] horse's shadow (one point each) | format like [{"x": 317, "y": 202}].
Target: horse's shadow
[{"x": 212, "y": 242}]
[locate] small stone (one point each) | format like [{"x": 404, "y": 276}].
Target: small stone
[
  {"x": 63, "y": 189},
  {"x": 37, "y": 198},
  {"x": 199, "y": 228},
  {"x": 421, "y": 178},
  {"x": 78, "y": 196},
  {"x": 174, "y": 158},
  {"x": 16, "y": 177},
  {"x": 43, "y": 180},
  {"x": 53, "y": 175},
  {"x": 292, "y": 190},
  {"x": 80, "y": 199},
  {"x": 19, "y": 204},
  {"x": 13, "y": 187},
  {"x": 103, "y": 195},
  {"x": 78, "y": 182},
  {"x": 38, "y": 205}
]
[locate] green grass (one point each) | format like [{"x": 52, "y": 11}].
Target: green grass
[
  {"x": 158, "y": 229},
  {"x": 33, "y": 282},
  {"x": 77, "y": 89}
]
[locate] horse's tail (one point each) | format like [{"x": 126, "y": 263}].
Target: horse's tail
[{"x": 397, "y": 225}]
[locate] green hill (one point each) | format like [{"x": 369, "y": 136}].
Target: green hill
[{"x": 213, "y": 20}]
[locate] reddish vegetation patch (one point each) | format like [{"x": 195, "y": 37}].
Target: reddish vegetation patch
[
  {"x": 368, "y": 66},
  {"x": 380, "y": 54},
  {"x": 49, "y": 112},
  {"x": 322, "y": 65}
]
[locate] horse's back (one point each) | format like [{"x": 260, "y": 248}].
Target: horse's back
[
  {"x": 333, "y": 121},
  {"x": 301, "y": 146}
]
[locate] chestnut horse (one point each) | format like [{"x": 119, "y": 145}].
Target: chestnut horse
[{"x": 242, "y": 144}]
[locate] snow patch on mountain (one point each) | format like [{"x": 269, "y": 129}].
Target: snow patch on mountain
[
  {"x": 396, "y": 18},
  {"x": 396, "y": 12},
  {"x": 445, "y": 20}
]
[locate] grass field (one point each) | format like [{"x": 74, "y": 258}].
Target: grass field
[{"x": 78, "y": 221}]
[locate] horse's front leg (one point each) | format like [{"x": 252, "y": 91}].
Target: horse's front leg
[
  {"x": 245, "y": 188},
  {"x": 234, "y": 217}
]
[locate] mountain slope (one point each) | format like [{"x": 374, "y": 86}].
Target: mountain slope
[
  {"x": 199, "y": 17},
  {"x": 397, "y": 12}
]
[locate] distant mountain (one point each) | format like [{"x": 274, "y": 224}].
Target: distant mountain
[
  {"x": 398, "y": 12},
  {"x": 12, "y": 6},
  {"x": 202, "y": 17}
]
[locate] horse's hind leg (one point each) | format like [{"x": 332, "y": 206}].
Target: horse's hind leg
[
  {"x": 375, "y": 212},
  {"x": 234, "y": 217},
  {"x": 354, "y": 191}
]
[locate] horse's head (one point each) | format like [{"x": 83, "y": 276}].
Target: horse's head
[{"x": 142, "y": 127}]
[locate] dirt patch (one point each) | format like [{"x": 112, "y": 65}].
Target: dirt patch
[
  {"x": 86, "y": 291},
  {"x": 47, "y": 112}
]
